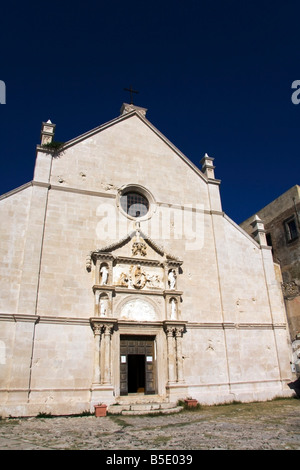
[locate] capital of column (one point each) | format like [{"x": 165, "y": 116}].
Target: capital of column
[
  {"x": 176, "y": 327},
  {"x": 108, "y": 329},
  {"x": 179, "y": 331},
  {"x": 169, "y": 330},
  {"x": 97, "y": 329},
  {"x": 101, "y": 325}
]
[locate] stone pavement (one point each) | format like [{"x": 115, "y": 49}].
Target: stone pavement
[{"x": 254, "y": 426}]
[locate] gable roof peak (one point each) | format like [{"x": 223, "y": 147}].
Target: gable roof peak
[{"x": 128, "y": 108}]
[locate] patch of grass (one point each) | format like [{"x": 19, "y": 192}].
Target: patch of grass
[
  {"x": 44, "y": 415},
  {"x": 119, "y": 421},
  {"x": 84, "y": 413}
]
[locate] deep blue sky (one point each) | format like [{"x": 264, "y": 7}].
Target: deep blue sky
[{"x": 215, "y": 76}]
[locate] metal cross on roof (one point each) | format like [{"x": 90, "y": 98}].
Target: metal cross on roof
[{"x": 131, "y": 91}]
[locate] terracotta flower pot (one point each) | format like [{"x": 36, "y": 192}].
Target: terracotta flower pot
[
  {"x": 191, "y": 402},
  {"x": 100, "y": 410}
]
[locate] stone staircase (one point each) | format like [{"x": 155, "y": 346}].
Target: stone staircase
[{"x": 144, "y": 408}]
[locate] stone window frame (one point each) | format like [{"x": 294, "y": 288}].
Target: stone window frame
[
  {"x": 136, "y": 188},
  {"x": 291, "y": 235}
]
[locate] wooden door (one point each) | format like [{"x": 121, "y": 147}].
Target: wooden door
[{"x": 137, "y": 346}]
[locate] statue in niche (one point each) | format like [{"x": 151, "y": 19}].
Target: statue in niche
[
  {"x": 103, "y": 306},
  {"x": 104, "y": 275},
  {"x": 172, "y": 279},
  {"x": 173, "y": 309}
]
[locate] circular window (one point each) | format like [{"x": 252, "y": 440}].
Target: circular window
[{"x": 134, "y": 204}]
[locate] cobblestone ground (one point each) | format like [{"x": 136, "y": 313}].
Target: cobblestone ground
[{"x": 256, "y": 426}]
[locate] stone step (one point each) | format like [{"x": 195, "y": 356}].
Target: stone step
[
  {"x": 164, "y": 411},
  {"x": 144, "y": 408}
]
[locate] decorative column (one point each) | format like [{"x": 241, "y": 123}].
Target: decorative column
[
  {"x": 176, "y": 386},
  {"x": 102, "y": 389},
  {"x": 171, "y": 354},
  {"x": 97, "y": 340},
  {"x": 179, "y": 357},
  {"x": 108, "y": 330}
]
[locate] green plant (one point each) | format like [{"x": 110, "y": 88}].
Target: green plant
[
  {"x": 44, "y": 415},
  {"x": 53, "y": 145}
]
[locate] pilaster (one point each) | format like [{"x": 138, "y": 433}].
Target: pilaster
[{"x": 29, "y": 285}]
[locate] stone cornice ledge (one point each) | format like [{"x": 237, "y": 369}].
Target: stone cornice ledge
[
  {"x": 14, "y": 317},
  {"x": 241, "y": 326},
  {"x": 20, "y": 317}
]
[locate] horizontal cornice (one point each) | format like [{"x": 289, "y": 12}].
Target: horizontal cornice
[{"x": 9, "y": 317}]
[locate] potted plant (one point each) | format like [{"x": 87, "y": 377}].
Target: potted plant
[
  {"x": 100, "y": 410},
  {"x": 191, "y": 402}
]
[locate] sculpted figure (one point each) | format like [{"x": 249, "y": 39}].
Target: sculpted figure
[
  {"x": 123, "y": 281},
  {"x": 173, "y": 309},
  {"x": 103, "y": 306},
  {"x": 104, "y": 275},
  {"x": 172, "y": 279}
]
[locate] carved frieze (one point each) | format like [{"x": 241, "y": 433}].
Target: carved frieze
[{"x": 138, "y": 276}]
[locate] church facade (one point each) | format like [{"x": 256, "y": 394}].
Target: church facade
[{"x": 123, "y": 278}]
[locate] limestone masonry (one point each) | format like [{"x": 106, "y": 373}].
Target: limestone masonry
[{"x": 123, "y": 281}]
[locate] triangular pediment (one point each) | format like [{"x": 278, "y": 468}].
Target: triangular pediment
[
  {"x": 136, "y": 245},
  {"x": 135, "y": 263},
  {"x": 140, "y": 114}
]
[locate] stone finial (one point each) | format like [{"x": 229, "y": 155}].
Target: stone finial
[
  {"x": 259, "y": 232},
  {"x": 47, "y": 132},
  {"x": 208, "y": 166}
]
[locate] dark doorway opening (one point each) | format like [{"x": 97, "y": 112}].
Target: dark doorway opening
[
  {"x": 136, "y": 373},
  {"x": 137, "y": 364}
]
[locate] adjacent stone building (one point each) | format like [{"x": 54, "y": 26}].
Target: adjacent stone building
[
  {"x": 123, "y": 280},
  {"x": 281, "y": 220}
]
